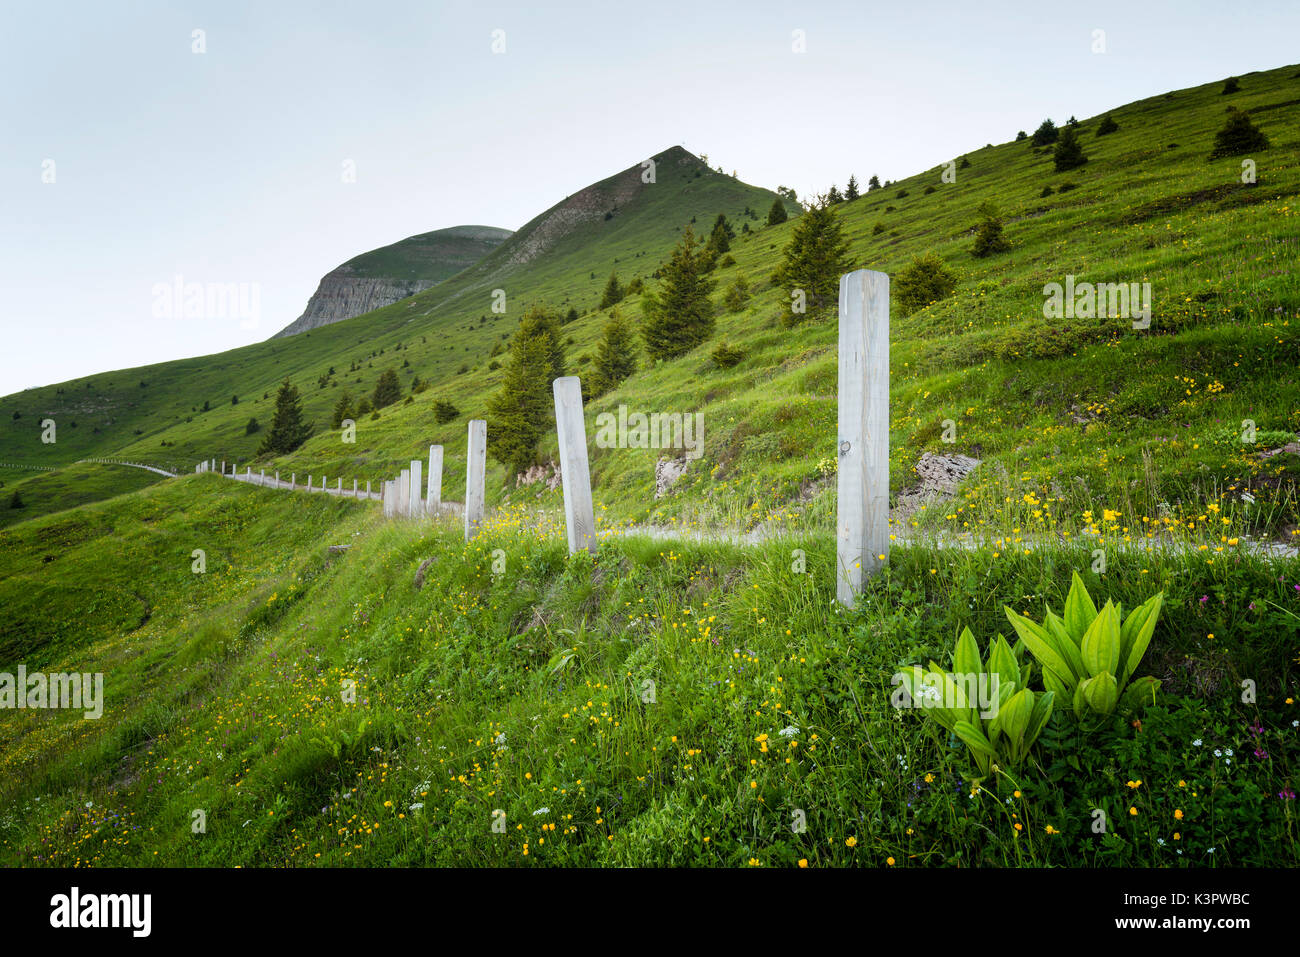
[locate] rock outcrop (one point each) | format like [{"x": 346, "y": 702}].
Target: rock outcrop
[
  {"x": 667, "y": 472},
  {"x": 341, "y": 296},
  {"x": 941, "y": 474}
]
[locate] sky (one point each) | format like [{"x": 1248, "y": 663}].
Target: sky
[{"x": 286, "y": 137}]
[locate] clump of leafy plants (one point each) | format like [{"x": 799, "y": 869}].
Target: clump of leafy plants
[
  {"x": 987, "y": 704},
  {"x": 1088, "y": 657}
]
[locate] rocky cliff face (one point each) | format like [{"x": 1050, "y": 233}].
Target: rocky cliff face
[
  {"x": 341, "y": 295},
  {"x": 383, "y": 276}
]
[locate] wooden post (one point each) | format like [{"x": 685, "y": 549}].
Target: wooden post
[
  {"x": 340, "y": 488},
  {"x": 415, "y": 506},
  {"x": 386, "y": 498},
  {"x": 862, "y": 502},
  {"x": 277, "y": 479},
  {"x": 433, "y": 502},
  {"x": 404, "y": 492},
  {"x": 293, "y": 480},
  {"x": 575, "y": 474},
  {"x": 367, "y": 488},
  {"x": 354, "y": 488},
  {"x": 475, "y": 475},
  {"x": 309, "y": 481}
]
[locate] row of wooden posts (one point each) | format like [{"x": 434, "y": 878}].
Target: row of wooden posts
[
  {"x": 404, "y": 496},
  {"x": 862, "y": 491},
  {"x": 274, "y": 480}
]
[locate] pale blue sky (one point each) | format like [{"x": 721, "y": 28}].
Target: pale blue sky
[{"x": 224, "y": 167}]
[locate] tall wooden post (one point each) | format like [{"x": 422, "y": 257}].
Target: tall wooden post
[
  {"x": 575, "y": 474},
  {"x": 475, "y": 476},
  {"x": 862, "y": 503},
  {"x": 403, "y": 491},
  {"x": 415, "y": 506},
  {"x": 433, "y": 501}
]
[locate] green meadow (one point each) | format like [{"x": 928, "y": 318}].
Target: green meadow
[
  {"x": 413, "y": 699},
  {"x": 290, "y": 680}
]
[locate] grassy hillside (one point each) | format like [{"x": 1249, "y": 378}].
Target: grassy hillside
[
  {"x": 1077, "y": 420},
  {"x": 664, "y": 705},
  {"x": 158, "y": 413},
  {"x": 1074, "y": 419}
]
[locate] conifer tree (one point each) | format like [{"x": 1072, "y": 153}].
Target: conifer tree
[
  {"x": 873, "y": 183},
  {"x": 815, "y": 258},
  {"x": 288, "y": 428},
  {"x": 988, "y": 234},
  {"x": 1107, "y": 125},
  {"x": 342, "y": 410},
  {"x": 613, "y": 293},
  {"x": 922, "y": 281},
  {"x": 679, "y": 315},
  {"x": 1239, "y": 135},
  {"x": 851, "y": 191},
  {"x": 737, "y": 294},
  {"x": 1069, "y": 151},
  {"x": 520, "y": 412},
  {"x": 615, "y": 356},
  {"x": 720, "y": 238},
  {"x": 1045, "y": 134},
  {"x": 387, "y": 390},
  {"x": 777, "y": 213},
  {"x": 444, "y": 411},
  {"x": 536, "y": 320}
]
